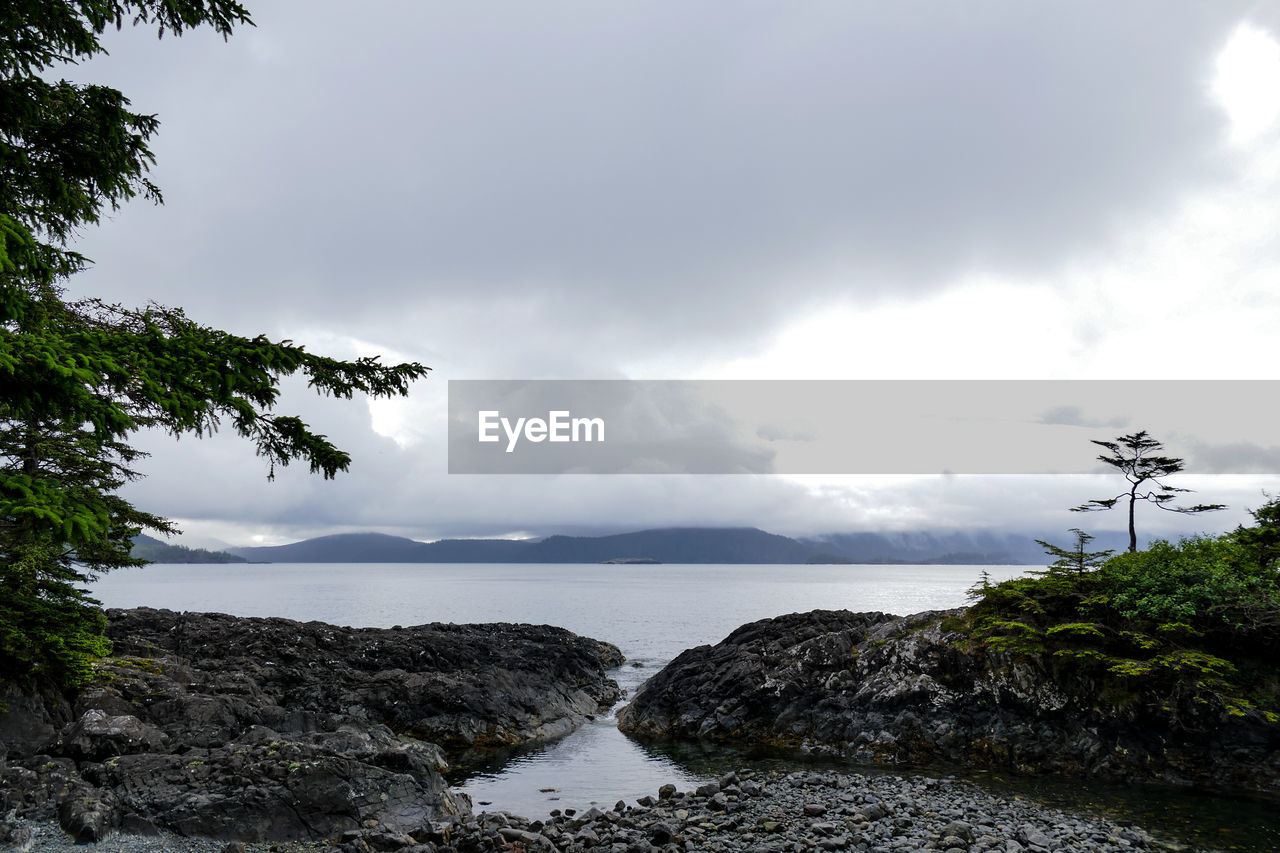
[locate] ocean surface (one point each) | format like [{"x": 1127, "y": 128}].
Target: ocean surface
[{"x": 652, "y": 613}]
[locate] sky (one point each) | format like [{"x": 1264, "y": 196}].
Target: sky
[{"x": 585, "y": 190}]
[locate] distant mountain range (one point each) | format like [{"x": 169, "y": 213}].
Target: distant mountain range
[{"x": 679, "y": 545}]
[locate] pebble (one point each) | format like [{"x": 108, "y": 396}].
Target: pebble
[
  {"x": 749, "y": 811},
  {"x": 807, "y": 812}
]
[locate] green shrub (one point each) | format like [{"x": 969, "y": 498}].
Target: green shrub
[
  {"x": 1200, "y": 584},
  {"x": 1188, "y": 631}
]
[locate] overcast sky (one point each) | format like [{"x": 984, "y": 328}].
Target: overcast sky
[{"x": 585, "y": 190}]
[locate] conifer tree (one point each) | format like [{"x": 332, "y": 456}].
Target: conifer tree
[
  {"x": 78, "y": 379},
  {"x": 1075, "y": 559}
]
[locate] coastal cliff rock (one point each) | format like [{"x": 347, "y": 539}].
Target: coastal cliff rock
[
  {"x": 889, "y": 690},
  {"x": 458, "y": 686},
  {"x": 270, "y": 729}
]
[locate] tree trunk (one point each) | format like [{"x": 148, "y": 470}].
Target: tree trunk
[{"x": 1133, "y": 534}]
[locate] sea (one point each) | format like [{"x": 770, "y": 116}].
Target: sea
[{"x": 652, "y": 613}]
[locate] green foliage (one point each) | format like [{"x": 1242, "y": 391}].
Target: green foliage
[
  {"x": 1076, "y": 630},
  {"x": 77, "y": 379},
  {"x": 70, "y": 150},
  {"x": 50, "y": 629},
  {"x": 1199, "y": 587},
  {"x": 1187, "y": 633},
  {"x": 1262, "y": 541}
]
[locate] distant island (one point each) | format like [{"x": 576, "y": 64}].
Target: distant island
[
  {"x": 632, "y": 561},
  {"x": 700, "y": 545},
  {"x": 153, "y": 550}
]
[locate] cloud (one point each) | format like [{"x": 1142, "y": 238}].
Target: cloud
[
  {"x": 1234, "y": 458},
  {"x": 778, "y": 432},
  {"x": 1247, "y": 82},
  {"x": 584, "y": 190},
  {"x": 1075, "y": 416},
  {"x": 643, "y": 175}
]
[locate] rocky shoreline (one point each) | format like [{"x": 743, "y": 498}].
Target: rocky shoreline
[
  {"x": 244, "y": 729},
  {"x": 208, "y": 733},
  {"x": 802, "y": 811},
  {"x": 755, "y": 812},
  {"x": 889, "y": 690}
]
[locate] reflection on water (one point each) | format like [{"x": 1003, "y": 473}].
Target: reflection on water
[
  {"x": 595, "y": 765},
  {"x": 1209, "y": 822},
  {"x": 652, "y": 613}
]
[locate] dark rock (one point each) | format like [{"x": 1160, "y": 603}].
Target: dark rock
[
  {"x": 14, "y": 837},
  {"x": 274, "y": 730},
  {"x": 1033, "y": 837},
  {"x": 28, "y": 721},
  {"x": 661, "y": 833},
  {"x": 97, "y": 736},
  {"x": 278, "y": 790},
  {"x": 527, "y": 840},
  {"x": 457, "y": 686},
  {"x": 958, "y": 829},
  {"x": 132, "y": 824},
  {"x": 873, "y": 811},
  {"x": 88, "y": 814},
  {"x": 882, "y": 689}
]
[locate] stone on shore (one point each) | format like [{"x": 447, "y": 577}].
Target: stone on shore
[{"x": 799, "y": 812}]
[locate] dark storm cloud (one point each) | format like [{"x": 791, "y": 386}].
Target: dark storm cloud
[{"x": 676, "y": 175}]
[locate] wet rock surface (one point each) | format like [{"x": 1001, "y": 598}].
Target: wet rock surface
[
  {"x": 269, "y": 729},
  {"x": 890, "y": 690}
]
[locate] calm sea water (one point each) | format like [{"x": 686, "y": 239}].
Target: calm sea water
[{"x": 652, "y": 613}]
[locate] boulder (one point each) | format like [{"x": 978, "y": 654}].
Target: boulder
[
  {"x": 889, "y": 690},
  {"x": 97, "y": 735},
  {"x": 29, "y": 720},
  {"x": 458, "y": 686}
]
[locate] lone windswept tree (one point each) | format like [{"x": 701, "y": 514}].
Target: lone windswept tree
[{"x": 1137, "y": 457}]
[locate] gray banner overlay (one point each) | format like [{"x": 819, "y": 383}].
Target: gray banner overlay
[{"x": 837, "y": 427}]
